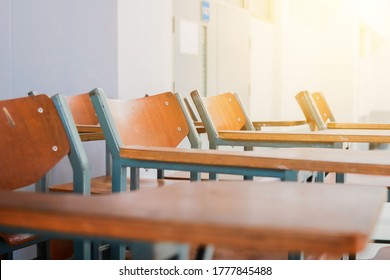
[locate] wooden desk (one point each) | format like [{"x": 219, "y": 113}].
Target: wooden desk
[
  {"x": 282, "y": 159},
  {"x": 259, "y": 124},
  {"x": 339, "y": 125},
  {"x": 263, "y": 216},
  {"x": 329, "y": 136},
  {"x": 90, "y": 132}
]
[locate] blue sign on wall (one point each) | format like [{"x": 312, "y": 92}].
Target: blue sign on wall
[{"x": 205, "y": 11}]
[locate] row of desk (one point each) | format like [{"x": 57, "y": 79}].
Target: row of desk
[{"x": 309, "y": 217}]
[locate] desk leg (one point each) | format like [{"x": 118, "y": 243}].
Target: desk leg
[
  {"x": 108, "y": 161},
  {"x": 246, "y": 177},
  {"x": 119, "y": 174},
  {"x": 82, "y": 250},
  {"x": 340, "y": 178},
  {"x": 295, "y": 256},
  {"x": 134, "y": 178},
  {"x": 118, "y": 251},
  {"x": 160, "y": 174},
  {"x": 195, "y": 176},
  {"x": 320, "y": 177},
  {"x": 204, "y": 252},
  {"x": 291, "y": 175}
]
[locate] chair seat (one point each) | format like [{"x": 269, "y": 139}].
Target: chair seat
[{"x": 102, "y": 185}]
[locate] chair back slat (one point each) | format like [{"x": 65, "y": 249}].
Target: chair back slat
[
  {"x": 82, "y": 109},
  {"x": 323, "y": 107},
  {"x": 225, "y": 111},
  {"x": 310, "y": 111},
  {"x": 32, "y": 140},
  {"x": 156, "y": 120}
]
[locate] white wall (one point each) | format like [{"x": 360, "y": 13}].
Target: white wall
[
  {"x": 263, "y": 71},
  {"x": 145, "y": 47},
  {"x": 319, "y": 53},
  {"x": 374, "y": 60}
]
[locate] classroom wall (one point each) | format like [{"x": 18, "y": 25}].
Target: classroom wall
[
  {"x": 64, "y": 46},
  {"x": 308, "y": 45},
  {"x": 318, "y": 53},
  {"x": 125, "y": 47},
  {"x": 263, "y": 71},
  {"x": 144, "y": 47},
  {"x": 5, "y": 50},
  {"x": 73, "y": 46},
  {"x": 374, "y": 60}
]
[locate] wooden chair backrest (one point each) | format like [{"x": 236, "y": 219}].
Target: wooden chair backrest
[
  {"x": 32, "y": 140},
  {"x": 190, "y": 110},
  {"x": 155, "y": 120},
  {"x": 225, "y": 111},
  {"x": 323, "y": 107},
  {"x": 82, "y": 109},
  {"x": 309, "y": 110}
]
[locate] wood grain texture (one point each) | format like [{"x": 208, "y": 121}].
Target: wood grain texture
[
  {"x": 277, "y": 216},
  {"x": 156, "y": 120},
  {"x": 89, "y": 128},
  {"x": 278, "y": 123},
  {"x": 322, "y": 136},
  {"x": 372, "y": 126},
  {"x": 32, "y": 140},
  {"x": 303, "y": 98},
  {"x": 323, "y": 107},
  {"x": 311, "y": 159},
  {"x": 82, "y": 109},
  {"x": 225, "y": 111},
  {"x": 91, "y": 136}
]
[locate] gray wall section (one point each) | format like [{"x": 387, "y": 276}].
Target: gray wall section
[
  {"x": 5, "y": 50},
  {"x": 64, "y": 46}
]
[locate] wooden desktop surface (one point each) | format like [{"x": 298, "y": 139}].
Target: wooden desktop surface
[
  {"x": 276, "y": 216},
  {"x": 323, "y": 136},
  {"x": 340, "y": 125},
  {"x": 311, "y": 159}
]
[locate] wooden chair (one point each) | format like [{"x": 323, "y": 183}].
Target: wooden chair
[
  {"x": 113, "y": 114},
  {"x": 33, "y": 141},
  {"x": 130, "y": 122},
  {"x": 79, "y": 109},
  {"x": 89, "y": 129},
  {"x": 225, "y": 112},
  {"x": 319, "y": 116}
]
